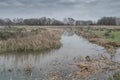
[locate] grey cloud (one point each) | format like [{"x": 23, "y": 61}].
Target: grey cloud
[{"x": 80, "y": 9}]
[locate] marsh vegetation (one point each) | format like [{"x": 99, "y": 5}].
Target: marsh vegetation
[{"x": 21, "y": 39}]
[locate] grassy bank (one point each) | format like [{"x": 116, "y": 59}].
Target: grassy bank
[
  {"x": 108, "y": 38},
  {"x": 22, "y": 39}
]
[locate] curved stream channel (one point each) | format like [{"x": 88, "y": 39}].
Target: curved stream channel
[{"x": 12, "y": 65}]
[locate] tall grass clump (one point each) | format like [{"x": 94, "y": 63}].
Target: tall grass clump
[{"x": 35, "y": 40}]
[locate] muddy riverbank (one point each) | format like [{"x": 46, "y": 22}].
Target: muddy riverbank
[{"x": 107, "y": 38}]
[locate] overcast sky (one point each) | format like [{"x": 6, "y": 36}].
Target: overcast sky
[{"x": 78, "y": 9}]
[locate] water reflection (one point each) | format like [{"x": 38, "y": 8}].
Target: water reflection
[{"x": 68, "y": 32}]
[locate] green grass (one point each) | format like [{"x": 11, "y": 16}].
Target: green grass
[{"x": 108, "y": 36}]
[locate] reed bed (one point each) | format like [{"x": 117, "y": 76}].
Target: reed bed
[{"x": 35, "y": 40}]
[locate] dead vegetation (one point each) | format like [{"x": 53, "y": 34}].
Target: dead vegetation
[
  {"x": 94, "y": 66},
  {"x": 33, "y": 40}
]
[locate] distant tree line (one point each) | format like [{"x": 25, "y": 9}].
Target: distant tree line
[
  {"x": 107, "y": 21},
  {"x": 66, "y": 21},
  {"x": 32, "y": 21},
  {"x": 71, "y": 21}
]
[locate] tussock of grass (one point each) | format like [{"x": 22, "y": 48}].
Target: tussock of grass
[{"x": 36, "y": 40}]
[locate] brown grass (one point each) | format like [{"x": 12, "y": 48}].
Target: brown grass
[{"x": 42, "y": 39}]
